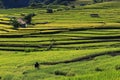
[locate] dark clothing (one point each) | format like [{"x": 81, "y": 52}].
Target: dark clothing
[{"x": 36, "y": 65}]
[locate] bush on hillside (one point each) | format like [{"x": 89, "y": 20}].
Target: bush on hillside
[
  {"x": 73, "y": 6},
  {"x": 67, "y": 8},
  {"x": 59, "y": 9},
  {"x": 28, "y": 18},
  {"x": 63, "y": 73},
  {"x": 15, "y": 23},
  {"x": 98, "y": 1},
  {"x": 49, "y": 10},
  {"x": 36, "y": 5},
  {"x": 60, "y": 73},
  {"x": 98, "y": 69},
  {"x": 117, "y": 67}
]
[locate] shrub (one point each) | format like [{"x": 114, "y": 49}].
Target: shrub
[
  {"x": 117, "y": 67},
  {"x": 73, "y": 6},
  {"x": 15, "y": 23},
  {"x": 49, "y": 10},
  {"x": 63, "y": 73},
  {"x": 60, "y": 73},
  {"x": 67, "y": 8},
  {"x": 60, "y": 9},
  {"x": 25, "y": 72},
  {"x": 98, "y": 69},
  {"x": 22, "y": 14},
  {"x": 70, "y": 74},
  {"x": 28, "y": 17}
]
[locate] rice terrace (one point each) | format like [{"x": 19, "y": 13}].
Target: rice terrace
[{"x": 60, "y": 40}]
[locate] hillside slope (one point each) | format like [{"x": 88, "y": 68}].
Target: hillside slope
[{"x": 111, "y": 4}]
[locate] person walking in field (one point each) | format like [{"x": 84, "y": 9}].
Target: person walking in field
[{"x": 37, "y": 65}]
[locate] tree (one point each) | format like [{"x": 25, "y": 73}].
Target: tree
[
  {"x": 28, "y": 18},
  {"x": 14, "y": 22},
  {"x": 49, "y": 10}
]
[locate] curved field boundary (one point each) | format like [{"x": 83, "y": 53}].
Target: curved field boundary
[
  {"x": 88, "y": 57},
  {"x": 60, "y": 43}
]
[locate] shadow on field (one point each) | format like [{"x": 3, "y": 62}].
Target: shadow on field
[{"x": 89, "y": 57}]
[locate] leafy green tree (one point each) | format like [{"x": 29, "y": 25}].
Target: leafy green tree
[
  {"x": 28, "y": 18},
  {"x": 15, "y": 23},
  {"x": 49, "y": 10}
]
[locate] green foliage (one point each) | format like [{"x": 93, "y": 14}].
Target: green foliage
[
  {"x": 60, "y": 9},
  {"x": 98, "y": 69},
  {"x": 28, "y": 18},
  {"x": 64, "y": 73},
  {"x": 15, "y": 23},
  {"x": 37, "y": 5},
  {"x": 76, "y": 34},
  {"x": 67, "y": 8},
  {"x": 49, "y": 10},
  {"x": 105, "y": 5},
  {"x": 73, "y": 6},
  {"x": 60, "y": 73},
  {"x": 97, "y": 1},
  {"x": 117, "y": 67}
]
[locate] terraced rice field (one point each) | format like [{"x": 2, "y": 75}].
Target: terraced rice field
[
  {"x": 61, "y": 39},
  {"x": 69, "y": 45}
]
